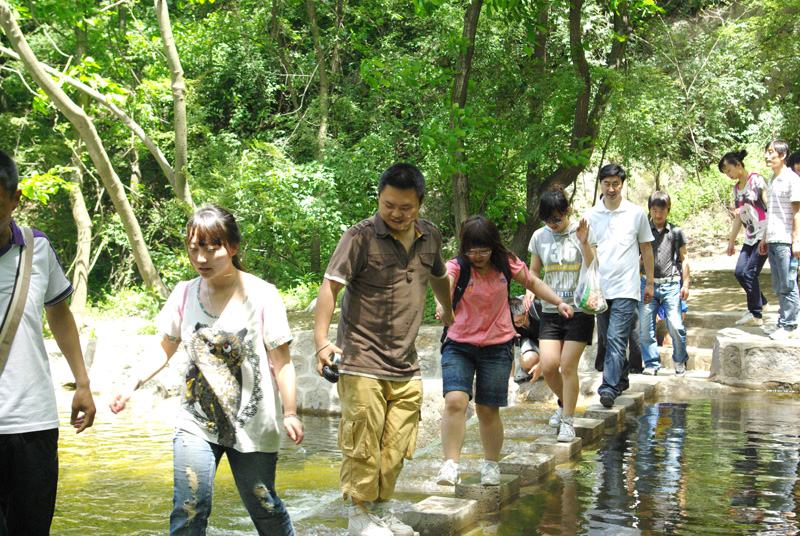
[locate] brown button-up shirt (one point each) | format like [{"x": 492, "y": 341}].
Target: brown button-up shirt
[{"x": 385, "y": 296}]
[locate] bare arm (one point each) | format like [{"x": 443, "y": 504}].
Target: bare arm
[
  {"x": 796, "y": 230},
  {"x": 646, "y": 249},
  {"x": 323, "y": 313},
  {"x": 735, "y": 226},
  {"x": 442, "y": 291},
  {"x": 169, "y": 345},
  {"x": 62, "y": 324},
  {"x": 683, "y": 256},
  {"x": 285, "y": 377}
]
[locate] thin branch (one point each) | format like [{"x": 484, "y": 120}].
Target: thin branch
[
  {"x": 21, "y": 78},
  {"x": 55, "y": 46}
]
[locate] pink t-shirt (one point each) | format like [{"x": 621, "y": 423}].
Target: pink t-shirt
[{"x": 482, "y": 315}]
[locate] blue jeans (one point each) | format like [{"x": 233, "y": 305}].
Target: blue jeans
[
  {"x": 194, "y": 466},
  {"x": 28, "y": 481},
  {"x": 748, "y": 268},
  {"x": 618, "y": 317},
  {"x": 784, "y": 282},
  {"x": 668, "y": 295}
]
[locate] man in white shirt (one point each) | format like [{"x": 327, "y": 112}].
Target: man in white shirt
[
  {"x": 782, "y": 241},
  {"x": 28, "y": 413},
  {"x": 621, "y": 230}
]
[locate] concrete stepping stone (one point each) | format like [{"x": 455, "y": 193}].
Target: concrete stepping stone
[
  {"x": 528, "y": 466},
  {"x": 611, "y": 417},
  {"x": 441, "y": 515},
  {"x": 629, "y": 403},
  {"x": 649, "y": 388},
  {"x": 489, "y": 498},
  {"x": 638, "y": 400},
  {"x": 589, "y": 430},
  {"x": 562, "y": 452}
]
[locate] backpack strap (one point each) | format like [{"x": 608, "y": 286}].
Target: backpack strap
[
  {"x": 464, "y": 275},
  {"x": 19, "y": 296}
]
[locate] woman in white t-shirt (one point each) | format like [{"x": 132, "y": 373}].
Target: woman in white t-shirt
[
  {"x": 561, "y": 248},
  {"x": 234, "y": 330}
]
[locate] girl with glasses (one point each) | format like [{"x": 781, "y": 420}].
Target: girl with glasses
[{"x": 478, "y": 349}]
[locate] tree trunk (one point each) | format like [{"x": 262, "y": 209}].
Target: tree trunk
[
  {"x": 101, "y": 99},
  {"x": 83, "y": 243},
  {"x": 459, "y": 179},
  {"x": 94, "y": 146},
  {"x": 586, "y": 120},
  {"x": 324, "y": 85},
  {"x": 83, "y": 221},
  {"x": 136, "y": 177},
  {"x": 178, "y": 101}
]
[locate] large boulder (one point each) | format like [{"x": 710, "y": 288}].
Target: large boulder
[{"x": 747, "y": 359}]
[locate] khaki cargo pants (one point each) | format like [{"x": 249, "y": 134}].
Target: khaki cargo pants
[{"x": 377, "y": 431}]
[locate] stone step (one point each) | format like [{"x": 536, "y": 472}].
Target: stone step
[
  {"x": 489, "y": 498},
  {"x": 447, "y": 516},
  {"x": 632, "y": 402},
  {"x": 528, "y": 466},
  {"x": 561, "y": 451},
  {"x": 612, "y": 417},
  {"x": 589, "y": 430},
  {"x": 699, "y": 358},
  {"x": 645, "y": 385}
]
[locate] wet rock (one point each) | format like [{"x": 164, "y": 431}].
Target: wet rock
[{"x": 743, "y": 359}]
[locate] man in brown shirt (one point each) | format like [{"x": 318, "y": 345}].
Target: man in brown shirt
[{"x": 385, "y": 262}]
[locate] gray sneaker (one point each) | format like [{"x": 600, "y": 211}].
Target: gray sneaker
[
  {"x": 680, "y": 369},
  {"x": 555, "y": 418},
  {"x": 650, "y": 371}
]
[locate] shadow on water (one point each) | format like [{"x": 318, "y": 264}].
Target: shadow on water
[{"x": 723, "y": 466}]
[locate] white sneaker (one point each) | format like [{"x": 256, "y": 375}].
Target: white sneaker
[
  {"x": 490, "y": 473},
  {"x": 555, "y": 418},
  {"x": 397, "y": 527},
  {"x": 362, "y": 523},
  {"x": 448, "y": 474},
  {"x": 748, "y": 319},
  {"x": 650, "y": 371},
  {"x": 783, "y": 334},
  {"x": 769, "y": 328},
  {"x": 566, "y": 432}
]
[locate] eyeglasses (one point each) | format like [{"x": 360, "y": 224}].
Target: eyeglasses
[{"x": 479, "y": 252}]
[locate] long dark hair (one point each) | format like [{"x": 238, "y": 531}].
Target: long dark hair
[
  {"x": 213, "y": 224},
  {"x": 479, "y": 231},
  {"x": 734, "y": 158}
]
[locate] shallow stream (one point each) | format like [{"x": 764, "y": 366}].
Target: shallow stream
[{"x": 722, "y": 466}]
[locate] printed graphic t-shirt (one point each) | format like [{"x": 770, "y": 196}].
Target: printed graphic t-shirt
[
  {"x": 752, "y": 210},
  {"x": 482, "y": 316},
  {"x": 561, "y": 258},
  {"x": 230, "y": 396}
]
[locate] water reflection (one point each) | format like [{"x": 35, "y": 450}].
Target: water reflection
[{"x": 723, "y": 466}]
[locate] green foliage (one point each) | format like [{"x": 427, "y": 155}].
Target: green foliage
[
  {"x": 129, "y": 302},
  {"x": 40, "y": 187}
]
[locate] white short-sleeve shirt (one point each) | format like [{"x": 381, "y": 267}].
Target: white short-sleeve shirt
[
  {"x": 617, "y": 235},
  {"x": 784, "y": 189},
  {"x": 230, "y": 396},
  {"x": 27, "y": 399}
]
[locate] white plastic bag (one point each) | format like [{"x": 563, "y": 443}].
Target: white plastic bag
[{"x": 588, "y": 294}]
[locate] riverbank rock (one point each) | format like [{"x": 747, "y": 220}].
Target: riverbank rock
[{"x": 746, "y": 359}]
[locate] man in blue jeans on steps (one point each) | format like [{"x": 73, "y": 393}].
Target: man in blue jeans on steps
[{"x": 621, "y": 231}]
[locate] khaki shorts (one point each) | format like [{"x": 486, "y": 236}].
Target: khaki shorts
[{"x": 377, "y": 431}]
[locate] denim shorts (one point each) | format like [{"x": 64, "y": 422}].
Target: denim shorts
[
  {"x": 579, "y": 328},
  {"x": 490, "y": 366}
]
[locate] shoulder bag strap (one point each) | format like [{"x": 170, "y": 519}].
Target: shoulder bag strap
[{"x": 19, "y": 296}]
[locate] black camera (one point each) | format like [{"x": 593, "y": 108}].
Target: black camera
[{"x": 331, "y": 372}]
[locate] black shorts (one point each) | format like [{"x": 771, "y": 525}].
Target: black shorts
[{"x": 555, "y": 327}]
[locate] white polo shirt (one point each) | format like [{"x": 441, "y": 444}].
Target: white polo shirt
[
  {"x": 27, "y": 400},
  {"x": 617, "y": 235}
]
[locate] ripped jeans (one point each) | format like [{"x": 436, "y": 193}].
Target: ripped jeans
[{"x": 195, "y": 464}]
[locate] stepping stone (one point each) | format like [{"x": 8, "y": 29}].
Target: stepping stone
[
  {"x": 626, "y": 402},
  {"x": 649, "y": 389},
  {"x": 589, "y": 430},
  {"x": 528, "y": 466},
  {"x": 612, "y": 417},
  {"x": 637, "y": 401},
  {"x": 562, "y": 452},
  {"x": 441, "y": 515},
  {"x": 489, "y": 498}
]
